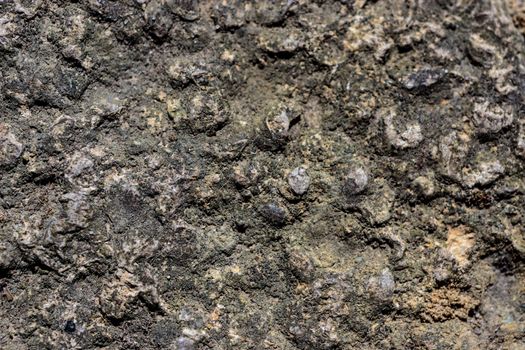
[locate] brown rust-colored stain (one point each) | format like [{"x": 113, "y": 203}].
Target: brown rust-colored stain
[
  {"x": 446, "y": 304},
  {"x": 518, "y": 13},
  {"x": 460, "y": 241}
]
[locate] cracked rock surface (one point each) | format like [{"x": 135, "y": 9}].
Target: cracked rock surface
[{"x": 288, "y": 174}]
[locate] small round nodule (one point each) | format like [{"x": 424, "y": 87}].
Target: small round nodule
[
  {"x": 424, "y": 186},
  {"x": 278, "y": 123},
  {"x": 299, "y": 180},
  {"x": 275, "y": 128},
  {"x": 355, "y": 181},
  {"x": 274, "y": 214},
  {"x": 382, "y": 286}
]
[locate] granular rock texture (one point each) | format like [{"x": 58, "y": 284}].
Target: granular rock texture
[{"x": 286, "y": 174}]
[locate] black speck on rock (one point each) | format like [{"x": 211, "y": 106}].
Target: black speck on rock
[{"x": 70, "y": 326}]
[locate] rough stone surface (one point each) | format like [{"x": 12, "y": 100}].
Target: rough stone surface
[
  {"x": 299, "y": 180},
  {"x": 286, "y": 174}
]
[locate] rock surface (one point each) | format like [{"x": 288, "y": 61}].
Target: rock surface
[{"x": 288, "y": 174}]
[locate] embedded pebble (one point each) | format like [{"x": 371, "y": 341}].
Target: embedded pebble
[
  {"x": 10, "y": 148},
  {"x": 299, "y": 180},
  {"x": 423, "y": 78},
  {"x": 275, "y": 130},
  {"x": 107, "y": 104},
  {"x": 491, "y": 118},
  {"x": 424, "y": 186},
  {"x": 246, "y": 174},
  {"x": 78, "y": 164},
  {"x": 189, "y": 69},
  {"x": 280, "y": 40},
  {"x": 401, "y": 134},
  {"x": 200, "y": 112},
  {"x": 480, "y": 50},
  {"x": 158, "y": 19},
  {"x": 278, "y": 123},
  {"x": 377, "y": 208},
  {"x": 227, "y": 16},
  {"x": 184, "y": 343},
  {"x": 520, "y": 141},
  {"x": 382, "y": 287},
  {"x": 301, "y": 265},
  {"x": 274, "y": 213},
  {"x": 441, "y": 275},
  {"x": 78, "y": 210},
  {"x": 356, "y": 181},
  {"x": 483, "y": 173},
  {"x": 70, "y": 326}
]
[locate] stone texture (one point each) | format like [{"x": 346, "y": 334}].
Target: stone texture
[{"x": 288, "y": 174}]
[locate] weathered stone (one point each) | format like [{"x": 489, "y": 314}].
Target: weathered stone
[
  {"x": 425, "y": 186},
  {"x": 483, "y": 172},
  {"x": 299, "y": 180},
  {"x": 158, "y": 19},
  {"x": 402, "y": 134},
  {"x": 285, "y": 174},
  {"x": 520, "y": 141},
  {"x": 275, "y": 131},
  {"x": 281, "y": 41},
  {"x": 490, "y": 119},
  {"x": 274, "y": 213},
  {"x": 377, "y": 208},
  {"x": 423, "y": 78},
  {"x": 10, "y": 148},
  {"x": 382, "y": 286},
  {"x": 355, "y": 181},
  {"x": 201, "y": 113}
]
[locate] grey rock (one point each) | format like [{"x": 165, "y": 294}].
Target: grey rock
[
  {"x": 71, "y": 82},
  {"x": 520, "y": 141},
  {"x": 190, "y": 69},
  {"x": 451, "y": 153},
  {"x": 423, "y": 78},
  {"x": 491, "y": 118},
  {"x": 79, "y": 163},
  {"x": 275, "y": 131},
  {"x": 301, "y": 265},
  {"x": 228, "y": 16},
  {"x": 108, "y": 104},
  {"x": 481, "y": 50},
  {"x": 483, "y": 173},
  {"x": 425, "y": 186},
  {"x": 299, "y": 180},
  {"x": 247, "y": 174},
  {"x": 184, "y": 343},
  {"x": 78, "y": 210},
  {"x": 200, "y": 113},
  {"x": 158, "y": 19},
  {"x": 278, "y": 123},
  {"x": 274, "y": 213},
  {"x": 401, "y": 134},
  {"x": 281, "y": 40},
  {"x": 10, "y": 147},
  {"x": 355, "y": 181},
  {"x": 377, "y": 208},
  {"x": 382, "y": 286}
]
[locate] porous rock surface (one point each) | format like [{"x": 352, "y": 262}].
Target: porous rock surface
[{"x": 287, "y": 174}]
